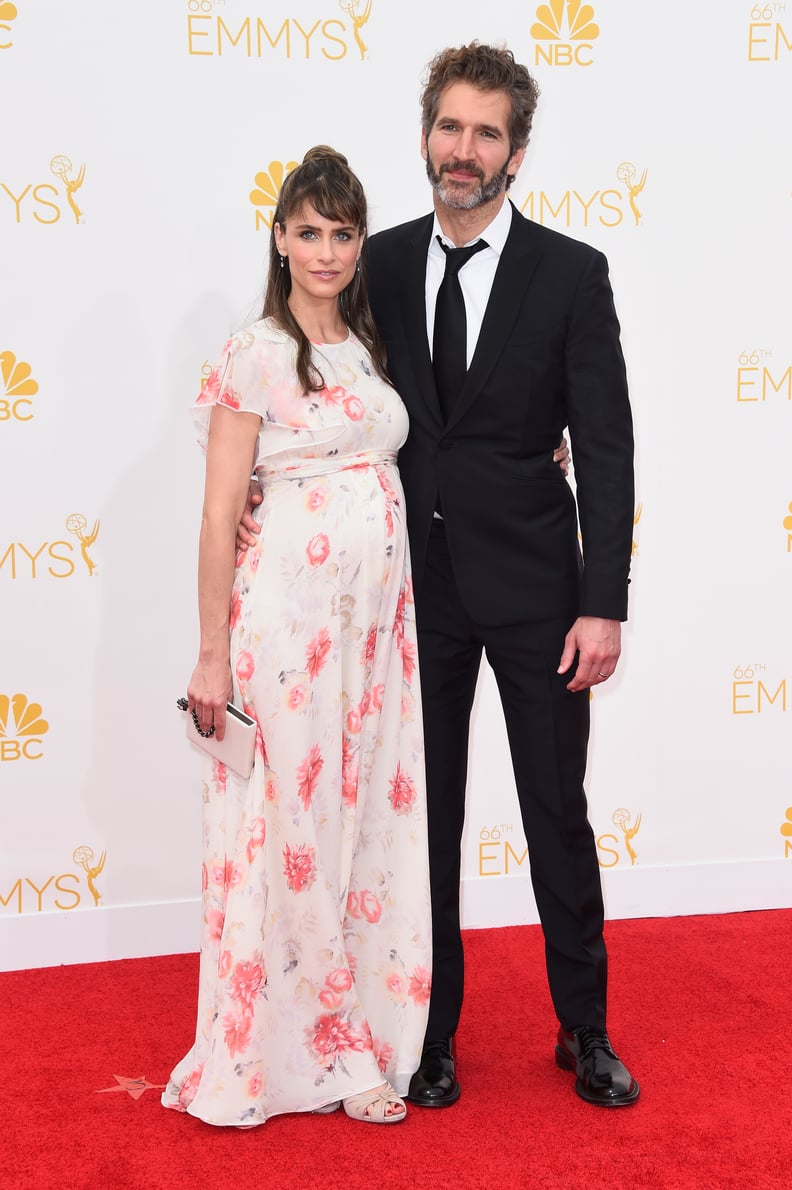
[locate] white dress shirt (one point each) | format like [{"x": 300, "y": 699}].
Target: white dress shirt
[{"x": 475, "y": 277}]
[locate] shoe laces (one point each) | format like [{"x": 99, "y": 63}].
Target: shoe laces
[{"x": 593, "y": 1039}]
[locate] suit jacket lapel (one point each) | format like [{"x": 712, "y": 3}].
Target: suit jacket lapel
[
  {"x": 413, "y": 303},
  {"x": 512, "y": 278}
]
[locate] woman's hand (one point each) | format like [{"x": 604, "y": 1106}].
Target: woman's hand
[
  {"x": 209, "y": 689},
  {"x": 561, "y": 455}
]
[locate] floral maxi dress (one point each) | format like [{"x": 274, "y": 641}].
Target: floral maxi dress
[{"x": 315, "y": 956}]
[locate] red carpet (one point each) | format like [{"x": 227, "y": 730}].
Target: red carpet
[{"x": 700, "y": 1011}]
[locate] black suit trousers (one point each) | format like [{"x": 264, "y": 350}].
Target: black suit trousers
[{"x": 548, "y": 735}]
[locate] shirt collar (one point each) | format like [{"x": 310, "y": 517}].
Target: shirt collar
[{"x": 495, "y": 233}]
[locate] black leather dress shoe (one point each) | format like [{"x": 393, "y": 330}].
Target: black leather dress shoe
[
  {"x": 434, "y": 1083},
  {"x": 601, "y": 1077}
]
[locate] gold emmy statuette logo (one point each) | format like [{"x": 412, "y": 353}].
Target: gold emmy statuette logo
[
  {"x": 567, "y": 28},
  {"x": 84, "y": 856},
  {"x": 621, "y": 818},
  {"x": 8, "y": 13},
  {"x": 77, "y": 524},
  {"x": 584, "y": 207},
  {"x": 268, "y": 186},
  {"x": 21, "y": 728},
  {"x": 626, "y": 173},
  {"x": 61, "y": 167},
  {"x": 358, "y": 19},
  {"x": 18, "y": 386},
  {"x": 788, "y": 519},
  {"x": 636, "y": 519}
]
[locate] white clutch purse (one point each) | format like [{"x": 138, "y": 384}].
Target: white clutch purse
[{"x": 238, "y": 745}]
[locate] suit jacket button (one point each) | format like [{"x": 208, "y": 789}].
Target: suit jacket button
[{"x": 446, "y": 443}]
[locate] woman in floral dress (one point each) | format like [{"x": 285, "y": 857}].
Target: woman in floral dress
[{"x": 315, "y": 958}]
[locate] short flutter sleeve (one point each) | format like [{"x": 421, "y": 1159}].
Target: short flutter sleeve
[{"x": 256, "y": 374}]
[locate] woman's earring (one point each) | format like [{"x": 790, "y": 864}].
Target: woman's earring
[{"x": 281, "y": 262}]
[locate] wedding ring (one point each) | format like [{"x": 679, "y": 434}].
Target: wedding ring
[{"x": 600, "y": 674}]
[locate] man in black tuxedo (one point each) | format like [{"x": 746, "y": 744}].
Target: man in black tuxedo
[{"x": 494, "y": 529}]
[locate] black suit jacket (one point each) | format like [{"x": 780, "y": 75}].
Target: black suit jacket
[{"x": 548, "y": 357}]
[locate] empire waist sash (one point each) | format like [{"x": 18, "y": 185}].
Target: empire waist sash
[{"x": 312, "y": 468}]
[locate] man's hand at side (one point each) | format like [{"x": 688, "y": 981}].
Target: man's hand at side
[
  {"x": 247, "y": 529},
  {"x": 599, "y": 644}
]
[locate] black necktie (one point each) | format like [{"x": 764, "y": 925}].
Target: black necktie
[{"x": 449, "y": 349}]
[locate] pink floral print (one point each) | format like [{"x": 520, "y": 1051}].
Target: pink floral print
[
  {"x": 316, "y": 916},
  {"x": 245, "y": 667},
  {"x": 364, "y": 904},
  {"x": 258, "y": 833},
  {"x": 245, "y": 983},
  {"x": 316, "y": 652},
  {"x": 383, "y": 1052},
  {"x": 236, "y": 1033},
  {"x": 318, "y": 549},
  {"x": 420, "y": 985},
  {"x": 409, "y": 654},
  {"x": 350, "y": 769},
  {"x": 299, "y": 867},
  {"x": 315, "y": 500},
  {"x": 308, "y": 775},
  {"x": 334, "y": 1036},
  {"x": 336, "y": 985},
  {"x": 402, "y": 792},
  {"x": 353, "y": 408}
]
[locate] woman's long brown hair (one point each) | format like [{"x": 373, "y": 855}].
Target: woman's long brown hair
[{"x": 324, "y": 180}]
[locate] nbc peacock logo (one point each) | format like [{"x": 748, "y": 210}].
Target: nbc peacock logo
[
  {"x": 786, "y": 832},
  {"x": 8, "y": 14},
  {"x": 18, "y": 386},
  {"x": 267, "y": 188},
  {"x": 564, "y": 31},
  {"x": 22, "y": 727}
]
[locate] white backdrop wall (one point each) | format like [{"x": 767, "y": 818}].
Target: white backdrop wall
[{"x": 140, "y": 151}]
